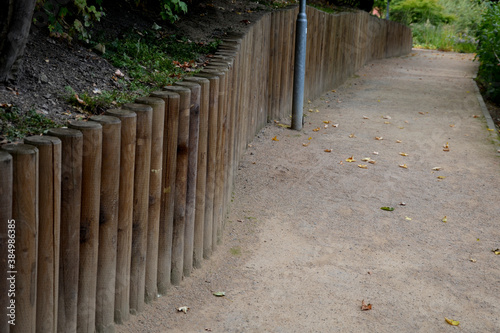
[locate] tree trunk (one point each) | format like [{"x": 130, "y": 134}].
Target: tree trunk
[{"x": 15, "y": 22}]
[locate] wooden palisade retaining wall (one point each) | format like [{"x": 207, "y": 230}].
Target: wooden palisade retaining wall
[{"x": 112, "y": 211}]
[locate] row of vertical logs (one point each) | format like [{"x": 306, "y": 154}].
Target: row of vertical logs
[{"x": 110, "y": 212}]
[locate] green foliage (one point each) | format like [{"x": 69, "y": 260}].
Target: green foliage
[
  {"x": 15, "y": 125},
  {"x": 419, "y": 11},
  {"x": 170, "y": 8},
  {"x": 488, "y": 51},
  {"x": 79, "y": 12}
]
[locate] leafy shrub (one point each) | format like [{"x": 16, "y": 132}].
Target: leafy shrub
[
  {"x": 419, "y": 11},
  {"x": 488, "y": 51}
]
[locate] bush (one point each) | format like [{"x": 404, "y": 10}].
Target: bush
[
  {"x": 418, "y": 11},
  {"x": 488, "y": 51}
]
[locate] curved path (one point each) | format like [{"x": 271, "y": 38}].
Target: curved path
[{"x": 306, "y": 241}]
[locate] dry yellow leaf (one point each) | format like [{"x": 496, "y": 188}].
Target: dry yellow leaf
[
  {"x": 311, "y": 110},
  {"x": 350, "y": 159},
  {"x": 452, "y": 322},
  {"x": 452, "y": 125},
  {"x": 366, "y": 159},
  {"x": 275, "y": 139},
  {"x": 387, "y": 122},
  {"x": 362, "y": 166},
  {"x": 326, "y": 121},
  {"x": 352, "y": 135},
  {"x": 398, "y": 141},
  {"x": 310, "y": 138},
  {"x": 403, "y": 154},
  {"x": 365, "y": 117},
  {"x": 316, "y": 129},
  {"x": 472, "y": 260},
  {"x": 387, "y": 117},
  {"x": 496, "y": 251},
  {"x": 404, "y": 166},
  {"x": 306, "y": 144},
  {"x": 436, "y": 168},
  {"x": 335, "y": 125},
  {"x": 379, "y": 138},
  {"x": 328, "y": 150},
  {"x": 372, "y": 161},
  {"x": 407, "y": 218},
  {"x": 441, "y": 177},
  {"x": 445, "y": 219}
]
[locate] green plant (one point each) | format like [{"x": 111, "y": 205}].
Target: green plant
[
  {"x": 15, "y": 125},
  {"x": 170, "y": 8},
  {"x": 488, "y": 51},
  {"x": 418, "y": 11}
]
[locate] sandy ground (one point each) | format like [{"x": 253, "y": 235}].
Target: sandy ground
[{"x": 306, "y": 241}]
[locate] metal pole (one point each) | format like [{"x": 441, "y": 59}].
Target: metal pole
[
  {"x": 300, "y": 67},
  {"x": 387, "y": 15}
]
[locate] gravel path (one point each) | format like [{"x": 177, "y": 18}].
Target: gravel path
[{"x": 306, "y": 241}]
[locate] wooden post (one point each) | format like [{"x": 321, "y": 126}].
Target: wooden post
[
  {"x": 180, "y": 184},
  {"x": 125, "y": 212},
  {"x": 69, "y": 257},
  {"x": 22, "y": 270},
  {"x": 221, "y": 140},
  {"x": 89, "y": 223},
  {"x": 194, "y": 136},
  {"x": 211, "y": 161},
  {"x": 108, "y": 222},
  {"x": 141, "y": 205},
  {"x": 168, "y": 187},
  {"x": 158, "y": 106},
  {"x": 49, "y": 194},
  {"x": 199, "y": 223},
  {"x": 6, "y": 174}
]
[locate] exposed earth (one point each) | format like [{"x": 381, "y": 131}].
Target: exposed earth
[{"x": 306, "y": 240}]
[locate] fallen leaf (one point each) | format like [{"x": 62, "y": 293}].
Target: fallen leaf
[
  {"x": 437, "y": 168},
  {"x": 452, "y": 125},
  {"x": 490, "y": 129},
  {"x": 352, "y": 135},
  {"x": 306, "y": 144},
  {"x": 350, "y": 159},
  {"x": 79, "y": 100},
  {"x": 407, "y": 218},
  {"x": 275, "y": 139},
  {"x": 379, "y": 138},
  {"x": 452, "y": 322},
  {"x": 403, "y": 154},
  {"x": 284, "y": 125},
  {"x": 446, "y": 147},
  {"x": 326, "y": 126},
  {"x": 390, "y": 209},
  {"x": 372, "y": 161},
  {"x": 365, "y": 307},
  {"x": 335, "y": 125},
  {"x": 365, "y": 117},
  {"x": 119, "y": 73},
  {"x": 326, "y": 121},
  {"x": 366, "y": 159},
  {"x": 387, "y": 122},
  {"x": 445, "y": 219},
  {"x": 309, "y": 138},
  {"x": 387, "y": 117},
  {"x": 311, "y": 110},
  {"x": 316, "y": 129},
  {"x": 402, "y": 203},
  {"x": 398, "y": 141},
  {"x": 475, "y": 116},
  {"x": 404, "y": 166},
  {"x": 183, "y": 309},
  {"x": 496, "y": 251},
  {"x": 472, "y": 260},
  {"x": 362, "y": 166},
  {"x": 441, "y": 177},
  {"x": 219, "y": 294},
  {"x": 328, "y": 150},
  {"x": 375, "y": 153}
]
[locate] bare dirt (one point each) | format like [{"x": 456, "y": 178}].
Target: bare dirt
[{"x": 306, "y": 241}]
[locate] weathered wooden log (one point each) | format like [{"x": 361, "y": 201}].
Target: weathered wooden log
[
  {"x": 170, "y": 137},
  {"x": 49, "y": 194},
  {"x": 201, "y": 185},
  {"x": 141, "y": 204},
  {"x": 71, "y": 193},
  {"x": 211, "y": 161},
  {"x": 194, "y": 136},
  {"x": 22, "y": 270},
  {"x": 108, "y": 222},
  {"x": 125, "y": 212},
  {"x": 6, "y": 174},
  {"x": 158, "y": 106},
  {"x": 89, "y": 223},
  {"x": 221, "y": 139},
  {"x": 179, "y": 221}
]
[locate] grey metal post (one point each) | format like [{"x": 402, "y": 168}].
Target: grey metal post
[
  {"x": 387, "y": 14},
  {"x": 300, "y": 67}
]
